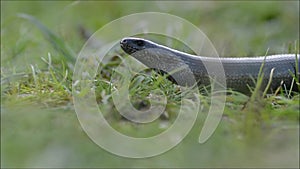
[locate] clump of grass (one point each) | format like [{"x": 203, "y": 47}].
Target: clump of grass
[
  {"x": 49, "y": 88},
  {"x": 259, "y": 109}
]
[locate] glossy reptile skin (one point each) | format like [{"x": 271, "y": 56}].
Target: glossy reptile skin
[{"x": 240, "y": 73}]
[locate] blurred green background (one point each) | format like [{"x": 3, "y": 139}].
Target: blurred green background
[{"x": 43, "y": 135}]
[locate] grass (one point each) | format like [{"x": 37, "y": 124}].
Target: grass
[{"x": 39, "y": 127}]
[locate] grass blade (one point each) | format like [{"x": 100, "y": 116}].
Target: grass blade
[{"x": 57, "y": 43}]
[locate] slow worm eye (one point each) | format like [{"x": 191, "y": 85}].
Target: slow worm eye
[{"x": 140, "y": 43}]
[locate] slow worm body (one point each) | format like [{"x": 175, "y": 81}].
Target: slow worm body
[{"x": 240, "y": 73}]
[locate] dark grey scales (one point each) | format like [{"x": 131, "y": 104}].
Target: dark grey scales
[{"x": 239, "y": 72}]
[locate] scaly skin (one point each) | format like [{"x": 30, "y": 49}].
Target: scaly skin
[{"x": 239, "y": 72}]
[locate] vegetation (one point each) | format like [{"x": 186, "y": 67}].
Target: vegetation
[{"x": 39, "y": 127}]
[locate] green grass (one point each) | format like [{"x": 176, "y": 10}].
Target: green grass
[{"x": 39, "y": 127}]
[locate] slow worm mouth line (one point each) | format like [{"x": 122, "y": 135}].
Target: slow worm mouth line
[
  {"x": 128, "y": 49},
  {"x": 239, "y": 72}
]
